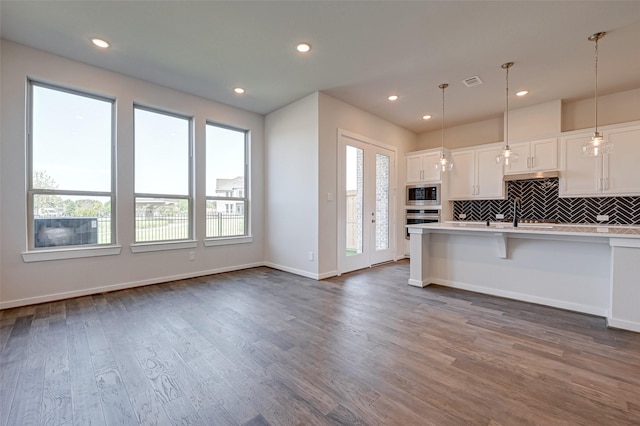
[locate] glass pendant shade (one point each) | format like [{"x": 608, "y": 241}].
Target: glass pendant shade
[
  {"x": 597, "y": 146},
  {"x": 445, "y": 163},
  {"x": 507, "y": 157}
]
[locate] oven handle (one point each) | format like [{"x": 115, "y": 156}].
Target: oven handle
[{"x": 423, "y": 216}]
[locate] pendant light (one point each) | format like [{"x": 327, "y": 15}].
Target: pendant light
[
  {"x": 597, "y": 145},
  {"x": 445, "y": 163},
  {"x": 507, "y": 156}
]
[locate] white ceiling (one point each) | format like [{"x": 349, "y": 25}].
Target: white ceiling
[{"x": 362, "y": 51}]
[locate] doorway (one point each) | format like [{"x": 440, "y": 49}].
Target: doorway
[{"x": 366, "y": 196}]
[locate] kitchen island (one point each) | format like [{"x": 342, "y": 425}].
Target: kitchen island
[{"x": 584, "y": 268}]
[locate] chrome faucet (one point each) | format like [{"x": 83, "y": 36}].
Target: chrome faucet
[{"x": 516, "y": 202}]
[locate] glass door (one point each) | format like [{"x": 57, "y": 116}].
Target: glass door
[{"x": 365, "y": 176}]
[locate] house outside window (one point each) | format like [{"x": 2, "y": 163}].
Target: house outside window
[
  {"x": 226, "y": 165},
  {"x": 71, "y": 199},
  {"x": 163, "y": 185}
]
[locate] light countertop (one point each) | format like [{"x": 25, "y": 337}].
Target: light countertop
[{"x": 622, "y": 231}]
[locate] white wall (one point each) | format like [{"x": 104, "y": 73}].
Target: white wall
[
  {"x": 535, "y": 121},
  {"x": 612, "y": 109},
  {"x": 292, "y": 187},
  {"x": 335, "y": 114},
  {"x": 24, "y": 283},
  {"x": 481, "y": 132},
  {"x": 616, "y": 108}
]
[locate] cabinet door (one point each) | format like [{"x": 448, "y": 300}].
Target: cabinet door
[
  {"x": 544, "y": 154},
  {"x": 414, "y": 168},
  {"x": 462, "y": 177},
  {"x": 429, "y": 171},
  {"x": 580, "y": 174},
  {"x": 522, "y": 165},
  {"x": 489, "y": 175},
  {"x": 621, "y": 173}
]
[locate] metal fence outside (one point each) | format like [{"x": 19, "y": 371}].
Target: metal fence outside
[
  {"x": 175, "y": 227},
  {"x": 225, "y": 225}
]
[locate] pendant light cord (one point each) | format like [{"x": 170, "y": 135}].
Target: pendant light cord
[
  {"x": 443, "y": 86},
  {"x": 507, "y": 113},
  {"x": 596, "y": 85}
]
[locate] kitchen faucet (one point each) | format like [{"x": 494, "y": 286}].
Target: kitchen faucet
[{"x": 516, "y": 202}]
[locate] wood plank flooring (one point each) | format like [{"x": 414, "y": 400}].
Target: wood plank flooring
[{"x": 264, "y": 347}]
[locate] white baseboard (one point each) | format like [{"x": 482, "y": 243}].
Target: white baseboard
[
  {"x": 576, "y": 307},
  {"x": 624, "y": 325},
  {"x": 300, "y": 272},
  {"x": 418, "y": 283},
  {"x": 122, "y": 286},
  {"x": 326, "y": 275}
]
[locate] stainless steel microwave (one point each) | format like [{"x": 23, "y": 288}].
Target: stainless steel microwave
[{"x": 423, "y": 195}]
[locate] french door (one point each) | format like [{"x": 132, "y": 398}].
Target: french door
[{"x": 366, "y": 183}]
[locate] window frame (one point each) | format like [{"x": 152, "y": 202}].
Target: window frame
[
  {"x": 189, "y": 241},
  {"x": 247, "y": 236},
  {"x": 34, "y": 253}
]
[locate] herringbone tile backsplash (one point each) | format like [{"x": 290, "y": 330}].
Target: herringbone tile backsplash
[{"x": 539, "y": 200}]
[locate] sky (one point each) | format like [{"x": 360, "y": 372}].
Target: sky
[{"x": 72, "y": 144}]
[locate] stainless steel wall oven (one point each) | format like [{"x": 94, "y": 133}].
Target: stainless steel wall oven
[{"x": 417, "y": 216}]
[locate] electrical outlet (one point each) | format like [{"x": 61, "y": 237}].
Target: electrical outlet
[
  {"x": 462, "y": 216},
  {"x": 310, "y": 256},
  {"x": 602, "y": 218},
  {"x": 500, "y": 216},
  {"x": 192, "y": 255}
]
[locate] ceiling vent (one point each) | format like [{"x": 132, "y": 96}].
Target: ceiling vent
[{"x": 472, "y": 81}]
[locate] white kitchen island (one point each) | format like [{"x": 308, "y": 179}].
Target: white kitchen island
[{"x": 584, "y": 268}]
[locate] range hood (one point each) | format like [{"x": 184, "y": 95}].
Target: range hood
[{"x": 532, "y": 175}]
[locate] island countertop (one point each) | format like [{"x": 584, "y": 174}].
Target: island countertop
[{"x": 585, "y": 230}]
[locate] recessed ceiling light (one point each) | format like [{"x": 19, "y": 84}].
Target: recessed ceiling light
[
  {"x": 100, "y": 42},
  {"x": 303, "y": 47},
  {"x": 393, "y": 98},
  {"x": 426, "y": 117},
  {"x": 522, "y": 93},
  {"x": 238, "y": 90}
]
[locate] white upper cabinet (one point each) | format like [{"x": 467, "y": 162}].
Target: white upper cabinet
[
  {"x": 535, "y": 156},
  {"x": 422, "y": 167},
  {"x": 476, "y": 175},
  {"x": 620, "y": 168},
  {"x": 462, "y": 179},
  {"x": 616, "y": 173}
]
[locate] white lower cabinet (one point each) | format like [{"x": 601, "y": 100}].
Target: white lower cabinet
[
  {"x": 616, "y": 173},
  {"x": 476, "y": 175}
]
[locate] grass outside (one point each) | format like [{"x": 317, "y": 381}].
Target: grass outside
[{"x": 168, "y": 229}]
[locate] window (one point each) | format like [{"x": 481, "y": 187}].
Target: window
[
  {"x": 71, "y": 195},
  {"x": 162, "y": 176},
  {"x": 225, "y": 184}
]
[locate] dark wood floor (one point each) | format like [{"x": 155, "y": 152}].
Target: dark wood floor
[{"x": 263, "y": 347}]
